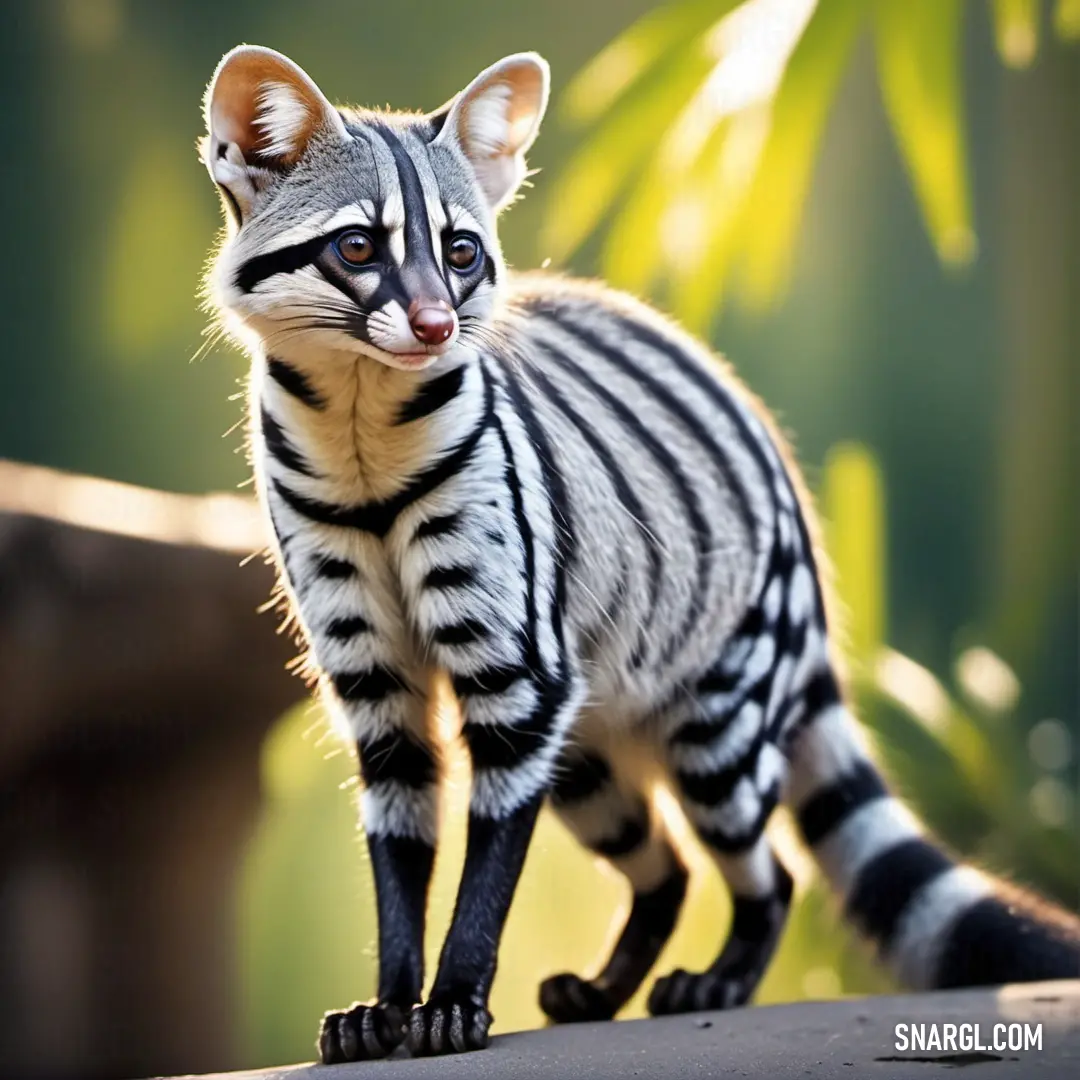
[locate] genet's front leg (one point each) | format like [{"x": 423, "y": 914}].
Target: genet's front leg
[
  {"x": 512, "y": 755},
  {"x": 398, "y": 765}
]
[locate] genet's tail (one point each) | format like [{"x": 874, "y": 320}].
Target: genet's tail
[{"x": 938, "y": 923}]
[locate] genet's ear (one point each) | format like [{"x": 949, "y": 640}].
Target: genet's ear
[
  {"x": 262, "y": 111},
  {"x": 495, "y": 120}
]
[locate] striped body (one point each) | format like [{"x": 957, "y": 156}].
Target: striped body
[{"x": 549, "y": 494}]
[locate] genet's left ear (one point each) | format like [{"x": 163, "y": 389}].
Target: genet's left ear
[{"x": 494, "y": 121}]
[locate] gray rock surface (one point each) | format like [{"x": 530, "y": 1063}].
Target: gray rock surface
[{"x": 848, "y": 1040}]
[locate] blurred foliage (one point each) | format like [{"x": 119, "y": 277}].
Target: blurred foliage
[
  {"x": 704, "y": 120},
  {"x": 957, "y": 753}
]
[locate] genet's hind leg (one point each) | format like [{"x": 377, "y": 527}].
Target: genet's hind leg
[
  {"x": 613, "y": 819},
  {"x": 761, "y": 894},
  {"x": 728, "y": 779}
]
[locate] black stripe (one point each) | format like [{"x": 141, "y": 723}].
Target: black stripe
[
  {"x": 378, "y": 517},
  {"x": 719, "y": 680},
  {"x": 578, "y": 777},
  {"x": 433, "y": 395},
  {"x": 831, "y": 806},
  {"x": 820, "y": 693},
  {"x": 347, "y": 628},
  {"x": 629, "y": 838},
  {"x": 886, "y": 885},
  {"x": 623, "y": 490},
  {"x": 754, "y": 918},
  {"x": 438, "y": 526},
  {"x": 501, "y": 746},
  {"x": 460, "y": 633},
  {"x": 449, "y": 577},
  {"x": 702, "y": 533},
  {"x": 739, "y": 843},
  {"x": 724, "y": 675},
  {"x": 285, "y": 260},
  {"x": 662, "y": 393},
  {"x": 710, "y": 789},
  {"x": 293, "y": 382},
  {"x": 419, "y": 260},
  {"x": 334, "y": 569},
  {"x": 558, "y": 500},
  {"x": 493, "y": 680},
  {"x": 371, "y": 685},
  {"x": 277, "y": 442},
  {"x": 396, "y": 758},
  {"x": 703, "y": 732},
  {"x": 524, "y": 530},
  {"x": 231, "y": 205},
  {"x": 995, "y": 942}
]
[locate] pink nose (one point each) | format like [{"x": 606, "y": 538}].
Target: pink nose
[{"x": 432, "y": 321}]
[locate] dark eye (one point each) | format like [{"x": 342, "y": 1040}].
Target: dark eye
[
  {"x": 355, "y": 247},
  {"x": 463, "y": 252}
]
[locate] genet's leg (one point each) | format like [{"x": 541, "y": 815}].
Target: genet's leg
[
  {"x": 399, "y": 805},
  {"x": 614, "y": 820},
  {"x": 514, "y": 726}
]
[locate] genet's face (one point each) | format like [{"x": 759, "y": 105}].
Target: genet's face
[
  {"x": 383, "y": 245},
  {"x": 364, "y": 232}
]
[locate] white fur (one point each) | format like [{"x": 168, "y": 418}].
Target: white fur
[
  {"x": 730, "y": 742},
  {"x": 829, "y": 748},
  {"x": 487, "y": 121},
  {"x": 752, "y": 873},
  {"x": 393, "y": 221},
  {"x": 284, "y": 118},
  {"x": 389, "y": 809},
  {"x": 870, "y": 831}
]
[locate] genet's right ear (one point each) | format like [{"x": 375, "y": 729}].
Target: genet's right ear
[{"x": 262, "y": 111}]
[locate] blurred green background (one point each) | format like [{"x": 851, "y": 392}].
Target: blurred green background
[{"x": 908, "y": 306}]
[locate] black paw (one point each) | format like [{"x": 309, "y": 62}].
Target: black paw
[
  {"x": 568, "y": 999},
  {"x": 448, "y": 1024},
  {"x": 683, "y": 992},
  {"x": 361, "y": 1033}
]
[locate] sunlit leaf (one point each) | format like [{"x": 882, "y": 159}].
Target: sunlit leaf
[
  {"x": 146, "y": 298},
  {"x": 924, "y": 699},
  {"x": 672, "y": 211},
  {"x": 919, "y": 63},
  {"x": 854, "y": 506},
  {"x": 1016, "y": 30},
  {"x": 1067, "y": 19},
  {"x": 703, "y": 219},
  {"x": 773, "y": 213},
  {"x": 608, "y": 75},
  {"x": 587, "y": 189}
]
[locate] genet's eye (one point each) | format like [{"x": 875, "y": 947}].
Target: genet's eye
[
  {"x": 355, "y": 247},
  {"x": 463, "y": 252}
]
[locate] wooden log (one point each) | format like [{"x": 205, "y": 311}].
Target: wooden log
[{"x": 138, "y": 681}]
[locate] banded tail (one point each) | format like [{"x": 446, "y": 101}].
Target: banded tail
[{"x": 938, "y": 923}]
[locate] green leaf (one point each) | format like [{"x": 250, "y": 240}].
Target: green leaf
[
  {"x": 800, "y": 110},
  {"x": 586, "y": 190},
  {"x": 673, "y": 205},
  {"x": 853, "y": 501},
  {"x": 1016, "y": 30},
  {"x": 1067, "y": 19},
  {"x": 918, "y": 48},
  {"x": 664, "y": 59},
  {"x": 595, "y": 88}
]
